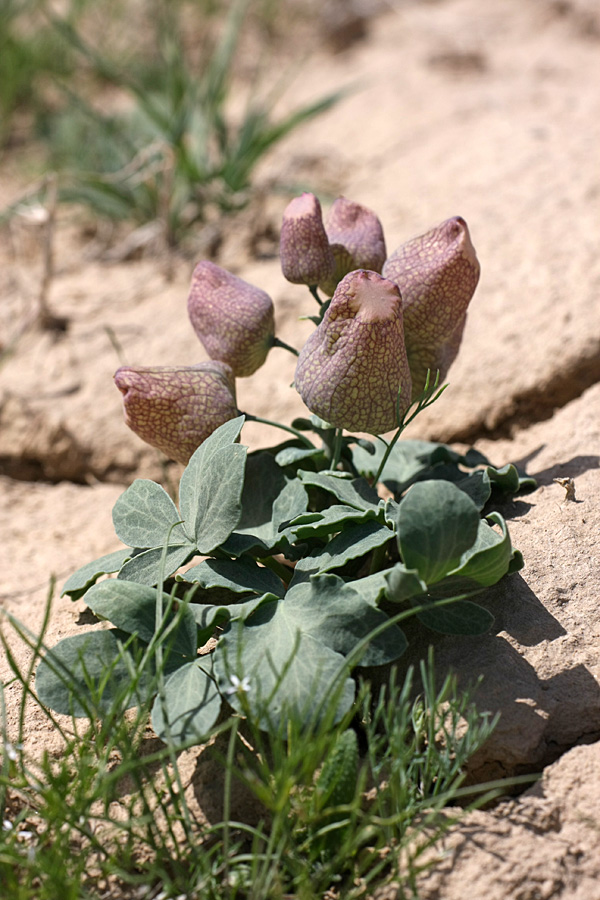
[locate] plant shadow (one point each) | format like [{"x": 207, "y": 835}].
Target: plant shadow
[{"x": 525, "y": 670}]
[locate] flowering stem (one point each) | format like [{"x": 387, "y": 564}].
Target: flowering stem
[
  {"x": 284, "y": 346},
  {"x": 313, "y": 289},
  {"x": 388, "y": 450},
  {"x": 429, "y": 396},
  {"x": 297, "y": 434}
]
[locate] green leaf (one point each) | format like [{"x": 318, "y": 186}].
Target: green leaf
[
  {"x": 337, "y": 615},
  {"x": 291, "y": 650},
  {"x": 356, "y": 493},
  {"x": 87, "y": 575},
  {"x": 144, "y": 516},
  {"x": 476, "y": 485},
  {"x": 145, "y": 567},
  {"x": 290, "y": 502},
  {"x": 239, "y": 576},
  {"x": 510, "y": 481},
  {"x": 406, "y": 462},
  {"x": 459, "y": 617},
  {"x": 290, "y": 672},
  {"x": 437, "y": 523},
  {"x": 290, "y": 455},
  {"x": 211, "y": 487},
  {"x": 208, "y": 616},
  {"x": 351, "y": 543},
  {"x": 190, "y": 706},
  {"x": 245, "y": 544},
  {"x": 268, "y": 501},
  {"x": 87, "y": 673},
  {"x": 516, "y": 563},
  {"x": 329, "y": 521},
  {"x": 403, "y": 583},
  {"x": 489, "y": 557},
  {"x": 132, "y": 608},
  {"x": 372, "y": 588}
]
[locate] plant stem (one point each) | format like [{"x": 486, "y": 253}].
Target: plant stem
[
  {"x": 430, "y": 395},
  {"x": 337, "y": 448},
  {"x": 284, "y": 346},
  {"x": 280, "y": 570},
  {"x": 386, "y": 455},
  {"x": 313, "y": 289},
  {"x": 297, "y": 434},
  {"x": 377, "y": 559}
]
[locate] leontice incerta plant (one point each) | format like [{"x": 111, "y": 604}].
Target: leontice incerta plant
[{"x": 289, "y": 557}]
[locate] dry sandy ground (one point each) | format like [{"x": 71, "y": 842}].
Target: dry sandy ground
[{"x": 490, "y": 111}]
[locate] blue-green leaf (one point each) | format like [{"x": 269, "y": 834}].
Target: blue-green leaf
[
  {"x": 290, "y": 455},
  {"x": 489, "y": 557},
  {"x": 237, "y": 575},
  {"x": 145, "y": 567},
  {"x": 352, "y": 543},
  {"x": 289, "y": 672},
  {"x": 355, "y": 492},
  {"x": 211, "y": 487},
  {"x": 86, "y": 674},
  {"x": 437, "y": 523},
  {"x": 132, "y": 608},
  {"x": 189, "y": 707},
  {"x": 268, "y": 501},
  {"x": 144, "y": 516},
  {"x": 328, "y": 521},
  {"x": 208, "y": 616},
  {"x": 87, "y": 575},
  {"x": 458, "y": 617},
  {"x": 332, "y": 611},
  {"x": 510, "y": 481},
  {"x": 292, "y": 650},
  {"x": 403, "y": 583}
]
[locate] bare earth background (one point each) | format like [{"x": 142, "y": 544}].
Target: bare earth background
[{"x": 486, "y": 110}]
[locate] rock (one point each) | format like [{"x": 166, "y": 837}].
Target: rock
[
  {"x": 541, "y": 669},
  {"x": 510, "y": 124},
  {"x": 543, "y": 846}
]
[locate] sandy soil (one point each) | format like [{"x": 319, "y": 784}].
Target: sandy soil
[{"x": 490, "y": 111}]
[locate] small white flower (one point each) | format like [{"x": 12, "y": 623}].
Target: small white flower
[
  {"x": 12, "y": 750},
  {"x": 238, "y": 686},
  {"x": 6, "y": 825}
]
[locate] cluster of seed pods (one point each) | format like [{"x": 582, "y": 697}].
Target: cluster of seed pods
[{"x": 389, "y": 321}]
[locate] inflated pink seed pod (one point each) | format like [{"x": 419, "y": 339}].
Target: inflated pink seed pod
[
  {"x": 437, "y": 274},
  {"x": 233, "y": 319},
  {"x": 175, "y": 408},
  {"x": 354, "y": 364},
  {"x": 356, "y": 239},
  {"x": 306, "y": 256}
]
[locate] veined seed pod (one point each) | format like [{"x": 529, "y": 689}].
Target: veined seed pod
[
  {"x": 353, "y": 366},
  {"x": 356, "y": 239},
  {"x": 306, "y": 256},
  {"x": 437, "y": 274},
  {"x": 175, "y": 408},
  {"x": 233, "y": 319}
]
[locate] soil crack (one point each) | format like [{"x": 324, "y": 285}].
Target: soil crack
[{"x": 533, "y": 405}]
